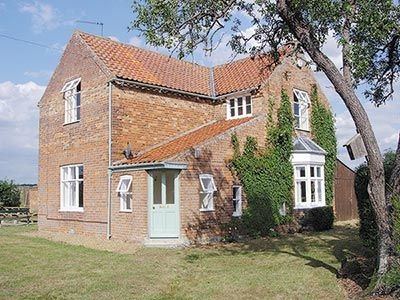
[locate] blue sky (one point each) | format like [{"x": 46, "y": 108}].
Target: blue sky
[{"x": 32, "y": 36}]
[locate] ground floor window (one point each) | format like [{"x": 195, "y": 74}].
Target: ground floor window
[
  {"x": 207, "y": 192},
  {"x": 71, "y": 188},
  {"x": 124, "y": 191},
  {"x": 309, "y": 186},
  {"x": 237, "y": 200}
]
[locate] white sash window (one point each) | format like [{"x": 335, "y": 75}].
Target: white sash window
[
  {"x": 301, "y": 104},
  {"x": 124, "y": 190},
  {"x": 207, "y": 192},
  {"x": 72, "y": 100}
]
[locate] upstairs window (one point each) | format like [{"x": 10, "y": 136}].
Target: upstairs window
[
  {"x": 124, "y": 190},
  {"x": 72, "y": 188},
  {"x": 239, "y": 107},
  {"x": 301, "y": 104},
  {"x": 207, "y": 192},
  {"x": 72, "y": 100}
]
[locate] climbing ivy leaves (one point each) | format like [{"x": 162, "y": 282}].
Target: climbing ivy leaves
[
  {"x": 323, "y": 131},
  {"x": 267, "y": 176}
]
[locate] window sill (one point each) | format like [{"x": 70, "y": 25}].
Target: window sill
[
  {"x": 302, "y": 129},
  {"x": 206, "y": 210},
  {"x": 239, "y": 117},
  {"x": 310, "y": 206},
  {"x": 69, "y": 123},
  {"x": 236, "y": 215},
  {"x": 125, "y": 210},
  {"x": 74, "y": 210}
]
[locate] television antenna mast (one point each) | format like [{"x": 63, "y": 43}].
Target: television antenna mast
[{"x": 93, "y": 23}]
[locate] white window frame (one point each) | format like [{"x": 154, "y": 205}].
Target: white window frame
[
  {"x": 72, "y": 101},
  {"x": 124, "y": 190},
  {"x": 301, "y": 105},
  {"x": 239, "y": 107},
  {"x": 237, "y": 200},
  {"x": 207, "y": 192},
  {"x": 309, "y": 186},
  {"x": 71, "y": 184}
]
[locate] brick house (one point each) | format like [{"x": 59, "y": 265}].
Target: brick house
[{"x": 135, "y": 145}]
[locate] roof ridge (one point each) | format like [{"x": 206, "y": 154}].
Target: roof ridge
[
  {"x": 139, "y": 48},
  {"x": 97, "y": 60},
  {"x": 212, "y": 82},
  {"x": 130, "y": 62}
]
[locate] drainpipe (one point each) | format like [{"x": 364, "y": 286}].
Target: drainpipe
[{"x": 109, "y": 172}]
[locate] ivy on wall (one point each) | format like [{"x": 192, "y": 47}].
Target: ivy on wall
[
  {"x": 267, "y": 176},
  {"x": 323, "y": 131}
]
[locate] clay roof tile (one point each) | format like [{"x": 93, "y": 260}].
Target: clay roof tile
[{"x": 186, "y": 141}]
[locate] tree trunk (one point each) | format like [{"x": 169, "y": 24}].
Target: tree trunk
[
  {"x": 394, "y": 181},
  {"x": 302, "y": 32}
]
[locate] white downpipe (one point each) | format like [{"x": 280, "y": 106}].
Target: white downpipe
[{"x": 109, "y": 172}]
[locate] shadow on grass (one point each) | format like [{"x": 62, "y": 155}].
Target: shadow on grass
[{"x": 316, "y": 249}]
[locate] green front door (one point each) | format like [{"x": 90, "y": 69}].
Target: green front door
[{"x": 164, "y": 204}]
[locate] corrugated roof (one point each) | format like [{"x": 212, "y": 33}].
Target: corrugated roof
[
  {"x": 185, "y": 142},
  {"x": 144, "y": 66}
]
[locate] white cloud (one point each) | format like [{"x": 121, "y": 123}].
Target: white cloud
[
  {"x": 44, "y": 16},
  {"x": 385, "y": 123},
  {"x": 19, "y": 117},
  {"x": 39, "y": 74},
  {"x": 333, "y": 50}
]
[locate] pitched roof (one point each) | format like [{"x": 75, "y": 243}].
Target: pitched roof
[
  {"x": 185, "y": 142},
  {"x": 246, "y": 73},
  {"x": 144, "y": 66}
]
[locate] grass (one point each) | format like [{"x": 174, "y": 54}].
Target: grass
[{"x": 292, "y": 267}]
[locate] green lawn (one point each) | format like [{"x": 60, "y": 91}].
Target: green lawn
[{"x": 293, "y": 267}]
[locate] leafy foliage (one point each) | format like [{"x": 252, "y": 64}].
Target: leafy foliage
[
  {"x": 369, "y": 30},
  {"x": 323, "y": 130},
  {"x": 319, "y": 218},
  {"x": 267, "y": 177},
  {"x": 368, "y": 227},
  {"x": 9, "y": 193}
]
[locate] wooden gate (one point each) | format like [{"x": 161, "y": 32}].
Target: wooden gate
[{"x": 345, "y": 202}]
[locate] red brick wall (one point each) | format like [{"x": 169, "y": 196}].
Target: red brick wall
[
  {"x": 131, "y": 226},
  {"x": 84, "y": 142},
  {"x": 214, "y": 159},
  {"x": 143, "y": 118}
]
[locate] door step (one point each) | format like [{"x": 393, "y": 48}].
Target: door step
[{"x": 166, "y": 243}]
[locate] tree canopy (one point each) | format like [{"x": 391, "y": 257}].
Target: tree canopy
[
  {"x": 9, "y": 194},
  {"x": 369, "y": 30}
]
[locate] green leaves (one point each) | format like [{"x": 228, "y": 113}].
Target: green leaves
[
  {"x": 267, "y": 177},
  {"x": 9, "y": 194},
  {"x": 373, "y": 39},
  {"x": 323, "y": 130}
]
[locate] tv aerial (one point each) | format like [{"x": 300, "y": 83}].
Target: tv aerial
[{"x": 92, "y": 23}]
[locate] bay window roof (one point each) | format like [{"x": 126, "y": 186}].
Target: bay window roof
[{"x": 302, "y": 144}]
